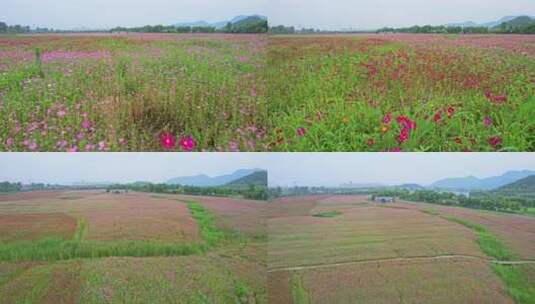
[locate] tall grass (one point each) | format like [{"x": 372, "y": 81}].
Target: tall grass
[
  {"x": 299, "y": 293},
  {"x": 210, "y": 234}
]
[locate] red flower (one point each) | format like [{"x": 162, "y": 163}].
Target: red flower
[
  {"x": 371, "y": 142},
  {"x": 438, "y": 116},
  {"x": 451, "y": 111},
  {"x": 495, "y": 141},
  {"x": 301, "y": 132},
  {"x": 167, "y": 140},
  {"x": 403, "y": 135},
  {"x": 487, "y": 121},
  {"x": 406, "y": 122},
  {"x": 500, "y": 99},
  {"x": 188, "y": 143},
  {"x": 458, "y": 140}
]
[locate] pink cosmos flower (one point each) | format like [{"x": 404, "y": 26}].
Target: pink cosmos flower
[
  {"x": 387, "y": 118},
  {"x": 188, "y": 143},
  {"x": 122, "y": 141},
  {"x": 9, "y": 142},
  {"x": 167, "y": 140},
  {"x": 33, "y": 145},
  {"x": 73, "y": 149},
  {"x": 301, "y": 132},
  {"x": 395, "y": 149},
  {"x": 61, "y": 113},
  {"x": 89, "y": 147},
  {"x": 80, "y": 136},
  {"x": 487, "y": 121},
  {"x": 61, "y": 144},
  {"x": 495, "y": 141},
  {"x": 253, "y": 92},
  {"x": 86, "y": 124},
  {"x": 102, "y": 146}
]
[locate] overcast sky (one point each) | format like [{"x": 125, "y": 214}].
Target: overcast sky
[
  {"x": 372, "y": 14},
  {"x": 111, "y": 13},
  {"x": 286, "y": 169},
  {"x": 325, "y": 14}
]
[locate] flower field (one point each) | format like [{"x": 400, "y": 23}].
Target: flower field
[
  {"x": 401, "y": 93},
  {"x": 132, "y": 92}
]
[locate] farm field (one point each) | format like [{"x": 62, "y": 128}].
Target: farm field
[
  {"x": 132, "y": 92},
  {"x": 401, "y": 92},
  {"x": 346, "y": 249},
  {"x": 97, "y": 247}
]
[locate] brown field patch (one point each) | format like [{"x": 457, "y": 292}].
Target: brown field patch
[
  {"x": 516, "y": 231},
  {"x": 445, "y": 281},
  {"x": 34, "y": 226},
  {"x": 362, "y": 232}
]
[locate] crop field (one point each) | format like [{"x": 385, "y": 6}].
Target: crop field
[
  {"x": 346, "y": 249},
  {"x": 132, "y": 92},
  {"x": 401, "y": 93},
  {"x": 97, "y": 247}
]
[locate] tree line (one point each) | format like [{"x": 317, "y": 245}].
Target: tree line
[
  {"x": 504, "y": 28},
  {"x": 476, "y": 201},
  {"x": 252, "y": 192}
]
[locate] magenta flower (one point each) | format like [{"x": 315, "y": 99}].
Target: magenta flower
[
  {"x": 9, "y": 142},
  {"x": 89, "y": 147},
  {"x": 167, "y": 140},
  {"x": 301, "y": 132},
  {"x": 403, "y": 135},
  {"x": 61, "y": 144},
  {"x": 487, "y": 121},
  {"x": 86, "y": 124},
  {"x": 406, "y": 122},
  {"x": 387, "y": 118},
  {"x": 73, "y": 149},
  {"x": 437, "y": 117},
  {"x": 122, "y": 141},
  {"x": 102, "y": 146},
  {"x": 33, "y": 145},
  {"x": 80, "y": 136},
  {"x": 188, "y": 143},
  {"x": 495, "y": 141},
  {"x": 61, "y": 113}
]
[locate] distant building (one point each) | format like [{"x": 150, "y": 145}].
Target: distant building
[{"x": 384, "y": 199}]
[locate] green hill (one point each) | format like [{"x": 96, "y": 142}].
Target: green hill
[
  {"x": 258, "y": 178},
  {"x": 524, "y": 187}
]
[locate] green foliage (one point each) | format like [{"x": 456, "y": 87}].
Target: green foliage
[
  {"x": 210, "y": 234},
  {"x": 327, "y": 214},
  {"x": 519, "y": 285},
  {"x": 6, "y": 187},
  {"x": 299, "y": 293}
]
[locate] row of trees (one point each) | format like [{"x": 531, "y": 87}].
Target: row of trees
[
  {"x": 252, "y": 192},
  {"x": 504, "y": 28},
  {"x": 487, "y": 202},
  {"x": 249, "y": 25},
  {"x": 6, "y": 187},
  {"x": 4, "y": 28}
]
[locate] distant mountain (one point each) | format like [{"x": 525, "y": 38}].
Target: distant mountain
[
  {"x": 207, "y": 181},
  {"x": 525, "y": 184},
  {"x": 222, "y": 24},
  {"x": 510, "y": 20},
  {"x": 474, "y": 183},
  {"x": 411, "y": 187},
  {"x": 258, "y": 178}
]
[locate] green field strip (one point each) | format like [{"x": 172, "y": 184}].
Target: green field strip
[
  {"x": 299, "y": 293},
  {"x": 512, "y": 275}
]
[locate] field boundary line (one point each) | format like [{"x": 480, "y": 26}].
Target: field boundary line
[{"x": 420, "y": 258}]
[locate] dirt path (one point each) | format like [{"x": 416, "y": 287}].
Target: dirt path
[{"x": 422, "y": 258}]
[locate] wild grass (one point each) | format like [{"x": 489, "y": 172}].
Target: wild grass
[
  {"x": 210, "y": 234},
  {"x": 100, "y": 94},
  {"x": 54, "y": 248},
  {"x": 327, "y": 214},
  {"x": 488, "y": 242},
  {"x": 353, "y": 94},
  {"x": 299, "y": 293},
  {"x": 519, "y": 285}
]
